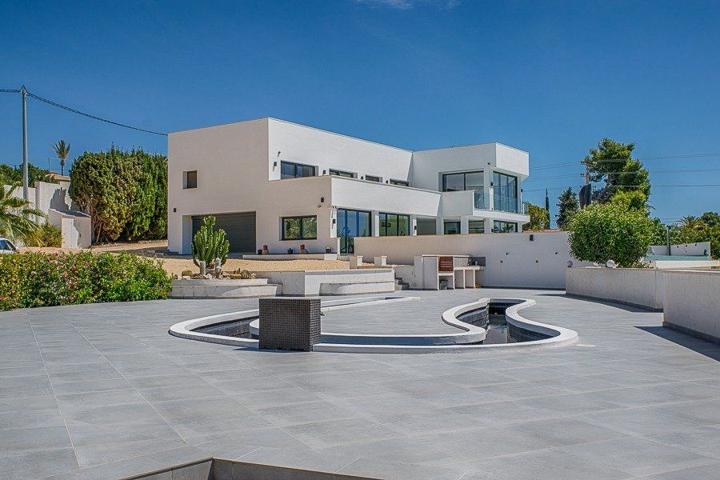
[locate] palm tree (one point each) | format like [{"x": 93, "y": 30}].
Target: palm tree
[
  {"x": 16, "y": 214},
  {"x": 62, "y": 150}
]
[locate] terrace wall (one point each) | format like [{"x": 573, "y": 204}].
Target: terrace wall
[
  {"x": 643, "y": 287},
  {"x": 515, "y": 260},
  {"x": 692, "y": 303}
]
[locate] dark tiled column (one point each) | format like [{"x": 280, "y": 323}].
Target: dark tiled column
[{"x": 289, "y": 323}]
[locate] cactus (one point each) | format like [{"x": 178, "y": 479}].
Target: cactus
[{"x": 209, "y": 244}]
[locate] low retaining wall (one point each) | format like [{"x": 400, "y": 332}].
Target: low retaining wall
[
  {"x": 333, "y": 282},
  {"x": 223, "y": 288},
  {"x": 643, "y": 287},
  {"x": 692, "y": 303}
]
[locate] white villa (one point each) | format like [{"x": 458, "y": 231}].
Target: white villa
[{"x": 277, "y": 184}]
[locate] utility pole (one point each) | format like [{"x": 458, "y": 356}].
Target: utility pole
[{"x": 26, "y": 191}]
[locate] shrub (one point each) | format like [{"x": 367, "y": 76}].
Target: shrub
[
  {"x": 39, "y": 279},
  {"x": 125, "y": 193},
  {"x": 209, "y": 243},
  {"x": 44, "y": 235},
  {"x": 610, "y": 232}
]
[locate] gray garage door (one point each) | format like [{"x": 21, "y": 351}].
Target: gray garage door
[{"x": 239, "y": 230}]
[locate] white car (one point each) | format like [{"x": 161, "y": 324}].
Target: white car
[{"x": 6, "y": 246}]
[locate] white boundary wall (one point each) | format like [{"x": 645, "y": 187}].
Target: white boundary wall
[
  {"x": 643, "y": 287},
  {"x": 511, "y": 259},
  {"x": 692, "y": 302}
]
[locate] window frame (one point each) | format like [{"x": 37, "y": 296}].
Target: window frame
[
  {"x": 502, "y": 201},
  {"x": 383, "y": 224},
  {"x": 470, "y": 222},
  {"x": 302, "y": 223},
  {"x": 503, "y": 222},
  {"x": 455, "y": 222},
  {"x": 401, "y": 183},
  {"x": 186, "y": 177},
  {"x": 347, "y": 243},
  {"x": 295, "y": 166},
  {"x": 342, "y": 173},
  {"x": 443, "y": 181}
]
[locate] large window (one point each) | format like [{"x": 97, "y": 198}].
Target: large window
[
  {"x": 190, "y": 179},
  {"x": 456, "y": 182},
  {"x": 452, "y": 228},
  {"x": 476, "y": 226},
  {"x": 504, "y": 227},
  {"x": 294, "y": 170},
  {"x": 505, "y": 194},
  {"x": 341, "y": 173},
  {"x": 351, "y": 224},
  {"x": 403, "y": 183},
  {"x": 394, "y": 225},
  {"x": 299, "y": 228}
]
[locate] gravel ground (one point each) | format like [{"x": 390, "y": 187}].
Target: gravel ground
[{"x": 175, "y": 264}]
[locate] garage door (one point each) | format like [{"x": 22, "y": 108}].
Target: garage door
[{"x": 239, "y": 230}]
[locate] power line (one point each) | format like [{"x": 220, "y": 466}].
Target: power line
[
  {"x": 652, "y": 172},
  {"x": 623, "y": 160},
  {"x": 94, "y": 117},
  {"x": 670, "y": 185},
  {"x": 84, "y": 114}
]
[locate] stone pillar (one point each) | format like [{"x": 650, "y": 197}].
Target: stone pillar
[
  {"x": 413, "y": 225},
  {"x": 439, "y": 225},
  {"x": 289, "y": 323}
]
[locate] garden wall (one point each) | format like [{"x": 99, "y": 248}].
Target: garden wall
[
  {"x": 643, "y": 287},
  {"x": 692, "y": 302}
]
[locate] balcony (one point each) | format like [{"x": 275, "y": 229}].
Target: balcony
[{"x": 469, "y": 202}]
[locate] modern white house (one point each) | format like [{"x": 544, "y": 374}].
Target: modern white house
[{"x": 277, "y": 184}]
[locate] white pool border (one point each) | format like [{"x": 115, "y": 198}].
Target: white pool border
[{"x": 456, "y": 342}]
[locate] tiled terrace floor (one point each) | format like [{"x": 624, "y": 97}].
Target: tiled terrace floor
[{"x": 102, "y": 391}]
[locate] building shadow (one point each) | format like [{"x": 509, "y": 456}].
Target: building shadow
[
  {"x": 703, "y": 347},
  {"x": 623, "y": 306}
]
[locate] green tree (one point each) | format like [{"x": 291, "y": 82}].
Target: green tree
[
  {"x": 539, "y": 219},
  {"x": 17, "y": 217},
  {"x": 699, "y": 229},
  {"x": 10, "y": 175},
  {"x": 102, "y": 185},
  {"x": 603, "y": 232},
  {"x": 148, "y": 218},
  {"x": 62, "y": 150},
  {"x": 612, "y": 162},
  {"x": 568, "y": 205}
]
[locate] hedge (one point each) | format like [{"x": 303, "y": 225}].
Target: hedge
[{"x": 40, "y": 280}]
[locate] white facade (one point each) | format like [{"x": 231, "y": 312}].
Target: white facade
[{"x": 237, "y": 169}]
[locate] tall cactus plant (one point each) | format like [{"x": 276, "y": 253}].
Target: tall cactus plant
[{"x": 209, "y": 243}]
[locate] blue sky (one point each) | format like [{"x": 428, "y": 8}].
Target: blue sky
[{"x": 549, "y": 77}]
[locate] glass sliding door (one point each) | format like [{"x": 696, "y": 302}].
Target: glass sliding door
[
  {"x": 505, "y": 194},
  {"x": 351, "y": 224}
]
